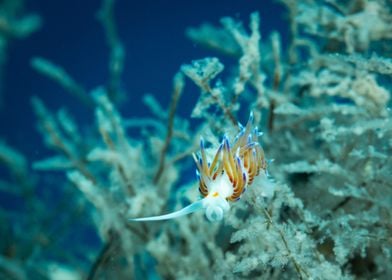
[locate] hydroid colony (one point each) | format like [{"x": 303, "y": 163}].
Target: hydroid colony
[{"x": 323, "y": 103}]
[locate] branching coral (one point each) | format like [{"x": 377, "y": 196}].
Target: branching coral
[{"x": 324, "y": 106}]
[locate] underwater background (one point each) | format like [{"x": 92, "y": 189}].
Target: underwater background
[{"x": 103, "y": 103}]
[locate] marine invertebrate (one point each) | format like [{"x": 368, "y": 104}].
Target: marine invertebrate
[{"x": 225, "y": 178}]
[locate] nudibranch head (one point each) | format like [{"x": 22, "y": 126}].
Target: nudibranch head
[{"x": 230, "y": 171}]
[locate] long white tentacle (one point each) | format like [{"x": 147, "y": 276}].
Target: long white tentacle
[{"x": 195, "y": 206}]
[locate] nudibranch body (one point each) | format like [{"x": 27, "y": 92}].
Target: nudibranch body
[{"x": 225, "y": 177}]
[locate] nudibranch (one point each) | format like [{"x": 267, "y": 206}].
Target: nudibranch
[{"x": 224, "y": 177}]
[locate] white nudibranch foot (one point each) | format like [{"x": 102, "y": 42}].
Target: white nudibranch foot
[{"x": 225, "y": 177}]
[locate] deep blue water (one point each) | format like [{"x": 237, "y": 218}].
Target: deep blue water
[{"x": 153, "y": 33}]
